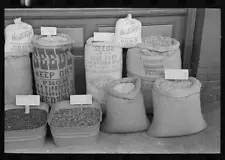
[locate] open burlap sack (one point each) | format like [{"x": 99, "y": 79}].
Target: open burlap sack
[{"x": 125, "y": 110}]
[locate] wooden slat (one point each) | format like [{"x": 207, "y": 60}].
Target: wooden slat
[
  {"x": 157, "y": 30},
  {"x": 189, "y": 36},
  {"x": 68, "y": 13},
  {"x": 153, "y": 30}
]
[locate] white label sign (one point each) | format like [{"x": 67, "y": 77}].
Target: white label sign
[
  {"x": 103, "y": 36},
  {"x": 80, "y": 99},
  {"x": 181, "y": 74},
  {"x": 48, "y": 31},
  {"x": 27, "y": 100}
]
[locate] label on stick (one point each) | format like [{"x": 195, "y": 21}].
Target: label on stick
[
  {"x": 81, "y": 99},
  {"x": 27, "y": 100},
  {"x": 30, "y": 100},
  {"x": 180, "y": 74},
  {"x": 48, "y": 31}
]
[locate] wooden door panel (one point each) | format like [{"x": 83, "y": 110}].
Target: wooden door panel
[
  {"x": 165, "y": 26},
  {"x": 80, "y": 24},
  {"x": 165, "y": 23},
  {"x": 157, "y": 30},
  {"x": 106, "y": 29}
]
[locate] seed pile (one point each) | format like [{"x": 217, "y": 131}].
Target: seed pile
[
  {"x": 169, "y": 85},
  {"x": 159, "y": 41},
  {"x": 155, "y": 53},
  {"x": 158, "y": 46},
  {"x": 16, "y": 119},
  {"x": 76, "y": 117},
  {"x": 124, "y": 87}
]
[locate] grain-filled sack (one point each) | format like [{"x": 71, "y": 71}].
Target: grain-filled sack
[
  {"x": 103, "y": 63},
  {"x": 177, "y": 108},
  {"x": 53, "y": 67},
  {"x": 18, "y": 75},
  {"x": 18, "y": 38},
  {"x": 146, "y": 89},
  {"x": 18, "y": 78},
  {"x": 125, "y": 110},
  {"x": 128, "y": 32},
  {"x": 149, "y": 59},
  {"x": 158, "y": 53}
]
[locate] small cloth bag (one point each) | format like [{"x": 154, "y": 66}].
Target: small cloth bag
[
  {"x": 18, "y": 38},
  {"x": 125, "y": 111},
  {"x": 128, "y": 32}
]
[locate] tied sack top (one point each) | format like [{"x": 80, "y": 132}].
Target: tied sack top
[
  {"x": 18, "y": 38},
  {"x": 128, "y": 32}
]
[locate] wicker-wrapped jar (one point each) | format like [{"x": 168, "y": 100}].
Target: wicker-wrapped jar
[{"x": 53, "y": 66}]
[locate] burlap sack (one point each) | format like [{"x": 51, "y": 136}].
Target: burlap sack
[
  {"x": 177, "y": 111},
  {"x": 125, "y": 111}
]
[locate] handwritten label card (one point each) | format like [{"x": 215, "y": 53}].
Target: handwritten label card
[
  {"x": 27, "y": 100},
  {"x": 81, "y": 99},
  {"x": 103, "y": 36},
  {"x": 181, "y": 74},
  {"x": 48, "y": 31}
]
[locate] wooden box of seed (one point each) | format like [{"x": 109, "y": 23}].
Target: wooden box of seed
[
  {"x": 75, "y": 124},
  {"x": 25, "y": 130}
]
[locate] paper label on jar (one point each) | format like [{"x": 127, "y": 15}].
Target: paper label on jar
[
  {"x": 54, "y": 74},
  {"x": 80, "y": 99},
  {"x": 181, "y": 74}
]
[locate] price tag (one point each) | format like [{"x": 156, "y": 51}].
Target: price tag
[
  {"x": 103, "y": 36},
  {"x": 81, "y": 99},
  {"x": 27, "y": 100},
  {"x": 48, "y": 31},
  {"x": 181, "y": 74}
]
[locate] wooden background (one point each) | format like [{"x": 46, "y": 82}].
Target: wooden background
[{"x": 80, "y": 24}]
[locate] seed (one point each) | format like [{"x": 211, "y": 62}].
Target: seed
[
  {"x": 169, "y": 86},
  {"x": 16, "y": 119},
  {"x": 81, "y": 116}
]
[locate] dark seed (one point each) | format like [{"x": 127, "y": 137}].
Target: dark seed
[{"x": 16, "y": 119}]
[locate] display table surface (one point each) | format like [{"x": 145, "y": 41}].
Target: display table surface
[{"x": 207, "y": 141}]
